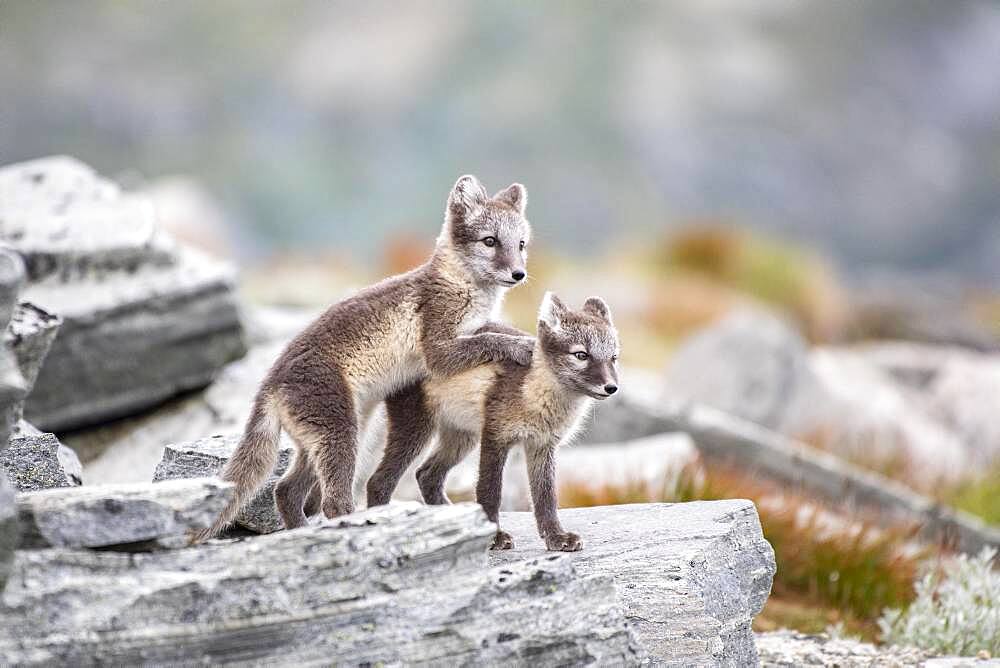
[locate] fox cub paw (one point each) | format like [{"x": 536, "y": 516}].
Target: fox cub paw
[
  {"x": 563, "y": 542},
  {"x": 502, "y": 541},
  {"x": 522, "y": 350}
]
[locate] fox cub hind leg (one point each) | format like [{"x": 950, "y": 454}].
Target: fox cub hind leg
[
  {"x": 410, "y": 427},
  {"x": 453, "y": 446},
  {"x": 293, "y": 489},
  {"x": 324, "y": 424}
]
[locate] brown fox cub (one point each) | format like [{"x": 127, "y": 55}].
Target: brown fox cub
[
  {"x": 537, "y": 407},
  {"x": 377, "y": 345}
]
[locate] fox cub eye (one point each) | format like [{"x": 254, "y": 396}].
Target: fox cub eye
[
  {"x": 582, "y": 356},
  {"x": 522, "y": 244},
  {"x": 490, "y": 241}
]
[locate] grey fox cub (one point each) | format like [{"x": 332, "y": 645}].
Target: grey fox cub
[
  {"x": 376, "y": 346},
  {"x": 537, "y": 407}
]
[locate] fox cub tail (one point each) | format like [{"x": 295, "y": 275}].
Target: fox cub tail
[{"x": 251, "y": 463}]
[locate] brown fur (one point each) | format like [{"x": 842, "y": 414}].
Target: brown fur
[
  {"x": 369, "y": 347},
  {"x": 505, "y": 405}
]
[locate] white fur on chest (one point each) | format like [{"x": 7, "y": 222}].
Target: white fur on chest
[{"x": 485, "y": 307}]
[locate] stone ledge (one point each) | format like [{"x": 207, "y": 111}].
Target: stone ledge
[
  {"x": 691, "y": 576},
  {"x": 121, "y": 516},
  {"x": 401, "y": 584}
]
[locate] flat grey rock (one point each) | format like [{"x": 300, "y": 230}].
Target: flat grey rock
[
  {"x": 691, "y": 576},
  {"x": 40, "y": 461},
  {"x": 206, "y": 457},
  {"x": 751, "y": 364},
  {"x": 791, "y": 649},
  {"x": 143, "y": 516},
  {"x": 143, "y": 319},
  {"x": 398, "y": 585},
  {"x": 9, "y": 532}
]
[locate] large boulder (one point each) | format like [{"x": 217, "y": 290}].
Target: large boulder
[
  {"x": 142, "y": 319},
  {"x": 397, "y": 585},
  {"x": 143, "y": 517},
  {"x": 128, "y": 450},
  {"x": 751, "y": 364},
  {"x": 691, "y": 576},
  {"x": 206, "y": 457},
  {"x": 35, "y": 461},
  {"x": 872, "y": 419},
  {"x": 957, "y": 388},
  {"x": 13, "y": 388}
]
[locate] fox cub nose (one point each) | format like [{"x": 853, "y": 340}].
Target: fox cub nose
[
  {"x": 610, "y": 389},
  {"x": 517, "y": 274}
]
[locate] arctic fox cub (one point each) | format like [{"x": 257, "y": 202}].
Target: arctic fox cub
[
  {"x": 537, "y": 407},
  {"x": 377, "y": 346}
]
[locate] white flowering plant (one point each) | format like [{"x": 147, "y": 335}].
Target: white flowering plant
[{"x": 956, "y": 610}]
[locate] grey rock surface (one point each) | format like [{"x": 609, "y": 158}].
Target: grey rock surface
[
  {"x": 142, "y": 319},
  {"x": 399, "y": 585},
  {"x": 129, "y": 450},
  {"x": 145, "y": 516},
  {"x": 13, "y": 389},
  {"x": 791, "y": 649},
  {"x": 9, "y": 532},
  {"x": 953, "y": 386},
  {"x": 691, "y": 576},
  {"x": 752, "y": 364},
  {"x": 206, "y": 457},
  {"x": 30, "y": 335},
  {"x": 13, "y": 386},
  {"x": 40, "y": 461}
]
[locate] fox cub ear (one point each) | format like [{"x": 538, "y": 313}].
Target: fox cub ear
[
  {"x": 551, "y": 312},
  {"x": 466, "y": 196},
  {"x": 598, "y": 307},
  {"x": 514, "y": 196}
]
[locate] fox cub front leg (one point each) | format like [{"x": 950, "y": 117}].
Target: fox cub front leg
[
  {"x": 492, "y": 457},
  {"x": 471, "y": 350},
  {"x": 542, "y": 477}
]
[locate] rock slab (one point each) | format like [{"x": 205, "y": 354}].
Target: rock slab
[
  {"x": 142, "y": 318},
  {"x": 13, "y": 388},
  {"x": 121, "y": 516},
  {"x": 9, "y": 532},
  {"x": 691, "y": 576},
  {"x": 40, "y": 461},
  {"x": 398, "y": 585},
  {"x": 206, "y": 457}
]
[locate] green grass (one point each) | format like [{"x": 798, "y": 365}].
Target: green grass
[{"x": 979, "y": 496}]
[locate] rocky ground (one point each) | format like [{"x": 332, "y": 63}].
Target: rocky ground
[{"x": 789, "y": 649}]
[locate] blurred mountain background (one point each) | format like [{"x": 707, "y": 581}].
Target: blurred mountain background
[{"x": 866, "y": 131}]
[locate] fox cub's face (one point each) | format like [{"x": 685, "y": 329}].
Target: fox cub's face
[
  {"x": 489, "y": 234},
  {"x": 581, "y": 347}
]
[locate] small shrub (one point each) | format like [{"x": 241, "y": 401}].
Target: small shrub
[{"x": 956, "y": 610}]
